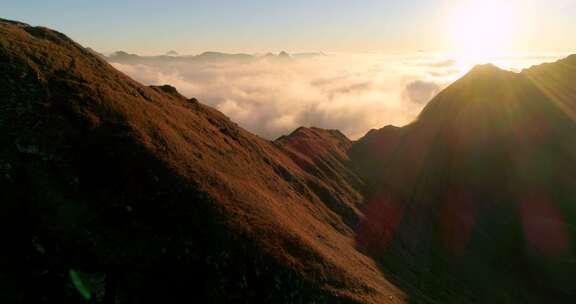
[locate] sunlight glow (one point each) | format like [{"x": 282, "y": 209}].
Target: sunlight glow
[{"x": 482, "y": 29}]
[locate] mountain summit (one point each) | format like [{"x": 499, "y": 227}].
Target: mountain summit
[{"x": 479, "y": 190}]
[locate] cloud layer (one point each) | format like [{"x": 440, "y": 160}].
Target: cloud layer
[{"x": 352, "y": 93}]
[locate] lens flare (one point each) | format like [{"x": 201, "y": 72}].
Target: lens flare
[{"x": 482, "y": 29}]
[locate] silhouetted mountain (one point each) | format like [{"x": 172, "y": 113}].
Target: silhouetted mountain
[
  {"x": 217, "y": 56},
  {"x": 123, "y": 193},
  {"x": 123, "y": 56},
  {"x": 373, "y": 149},
  {"x": 206, "y": 57},
  {"x": 281, "y": 58},
  {"x": 308, "y": 55},
  {"x": 478, "y": 193}
]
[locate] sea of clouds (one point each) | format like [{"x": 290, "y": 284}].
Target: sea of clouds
[{"x": 349, "y": 92}]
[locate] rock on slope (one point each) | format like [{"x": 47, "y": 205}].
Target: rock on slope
[{"x": 146, "y": 196}]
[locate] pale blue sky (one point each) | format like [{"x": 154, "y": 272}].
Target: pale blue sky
[{"x": 147, "y": 26}]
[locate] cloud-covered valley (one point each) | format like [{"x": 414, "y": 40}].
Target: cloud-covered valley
[{"x": 352, "y": 93}]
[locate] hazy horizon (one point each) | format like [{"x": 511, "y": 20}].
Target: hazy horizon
[
  {"x": 349, "y": 92},
  {"x": 153, "y": 27}
]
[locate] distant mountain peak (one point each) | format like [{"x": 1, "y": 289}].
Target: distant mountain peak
[
  {"x": 488, "y": 70},
  {"x": 123, "y": 55}
]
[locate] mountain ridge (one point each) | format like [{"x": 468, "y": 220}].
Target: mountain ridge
[
  {"x": 139, "y": 187},
  {"x": 153, "y": 197},
  {"x": 209, "y": 56}
]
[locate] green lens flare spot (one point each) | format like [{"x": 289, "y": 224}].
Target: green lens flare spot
[{"x": 80, "y": 285}]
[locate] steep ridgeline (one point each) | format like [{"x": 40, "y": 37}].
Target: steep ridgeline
[
  {"x": 324, "y": 154},
  {"x": 123, "y": 193},
  {"x": 475, "y": 202}
]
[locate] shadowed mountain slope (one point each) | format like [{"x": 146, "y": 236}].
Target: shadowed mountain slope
[
  {"x": 151, "y": 197},
  {"x": 474, "y": 201}
]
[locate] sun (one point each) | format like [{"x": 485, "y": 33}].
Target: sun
[{"x": 482, "y": 29}]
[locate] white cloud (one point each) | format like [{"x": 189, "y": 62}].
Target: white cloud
[
  {"x": 352, "y": 93},
  {"x": 420, "y": 91}
]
